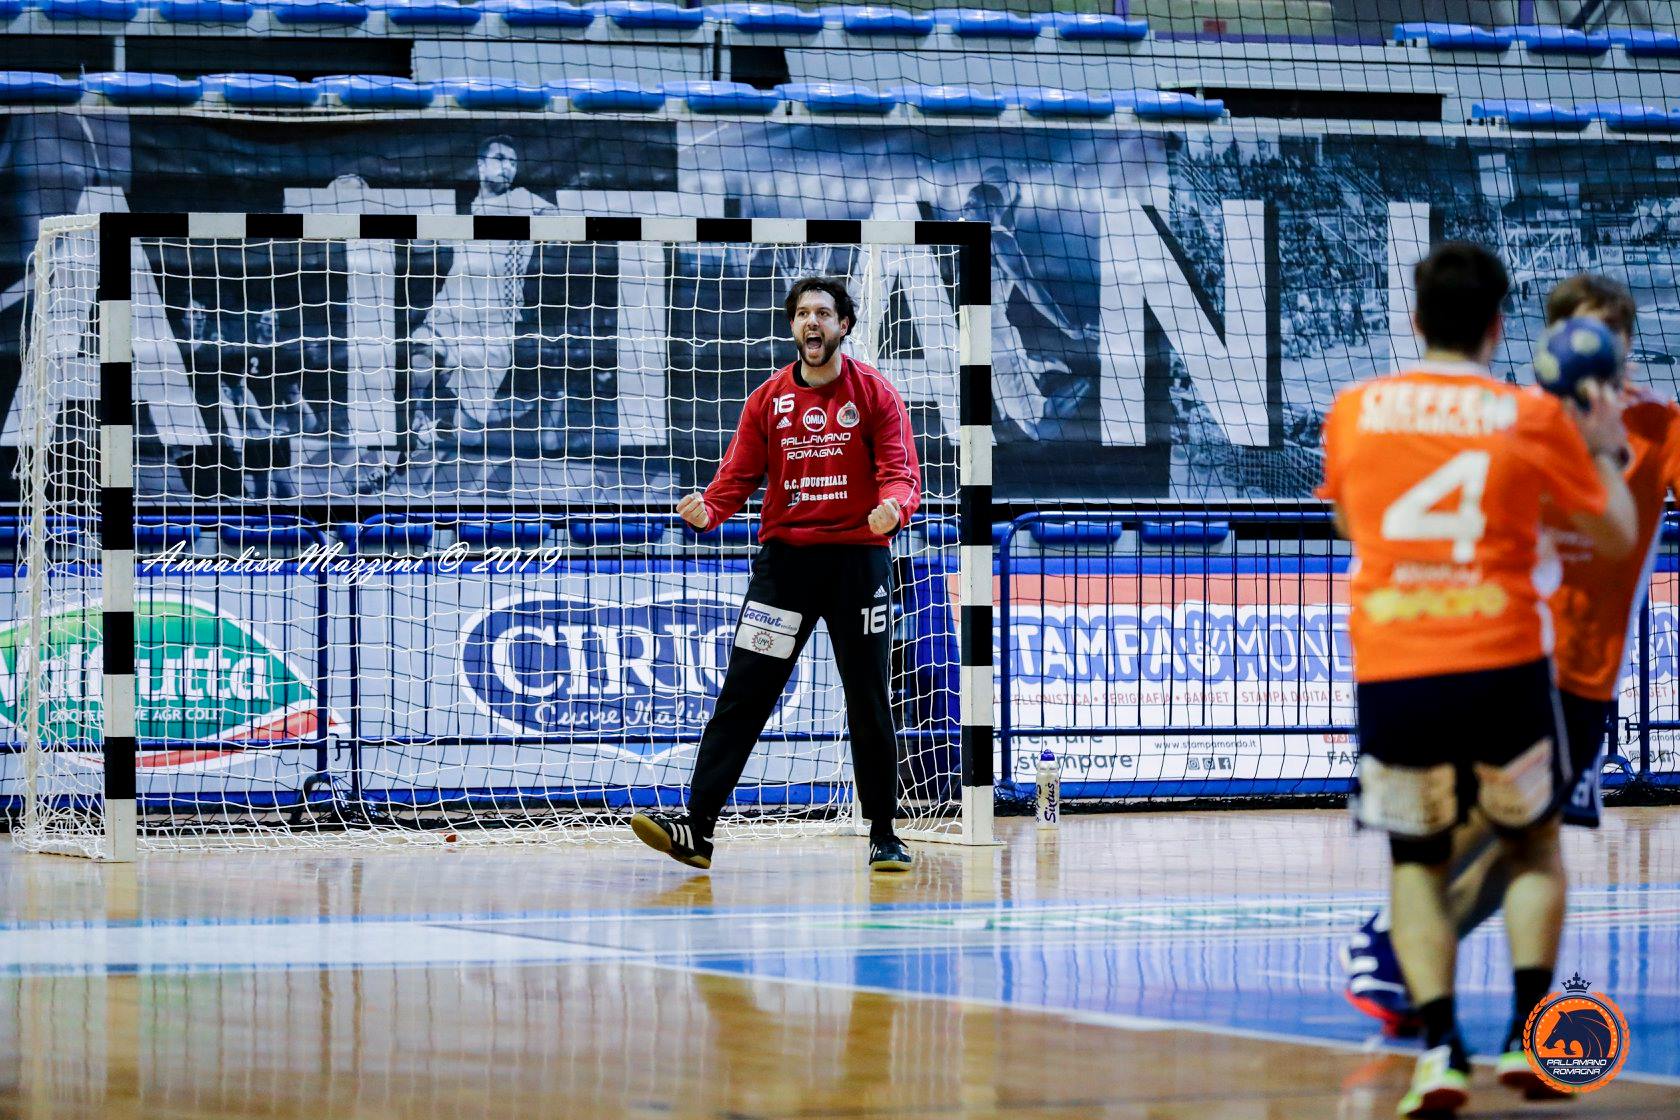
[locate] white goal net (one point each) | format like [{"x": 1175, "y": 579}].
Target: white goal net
[{"x": 405, "y": 564}]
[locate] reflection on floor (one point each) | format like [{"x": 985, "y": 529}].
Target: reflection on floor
[{"x": 1160, "y": 965}]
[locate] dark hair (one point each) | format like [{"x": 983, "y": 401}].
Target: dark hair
[
  {"x": 1589, "y": 292},
  {"x": 836, "y": 288},
  {"x": 503, "y": 139},
  {"x": 1459, "y": 289}
]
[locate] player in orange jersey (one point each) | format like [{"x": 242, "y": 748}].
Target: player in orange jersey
[
  {"x": 1592, "y": 609},
  {"x": 1440, "y": 475}
]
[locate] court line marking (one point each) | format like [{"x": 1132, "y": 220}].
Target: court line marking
[
  {"x": 1106, "y": 1018},
  {"x": 1157, "y": 902}
]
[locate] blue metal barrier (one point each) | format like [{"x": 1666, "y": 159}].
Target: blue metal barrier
[
  {"x": 1187, "y": 646},
  {"x": 1141, "y": 654}
]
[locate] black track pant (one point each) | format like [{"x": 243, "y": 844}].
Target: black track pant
[{"x": 849, "y": 586}]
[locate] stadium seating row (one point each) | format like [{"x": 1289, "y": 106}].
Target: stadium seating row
[
  {"x": 495, "y": 15},
  {"x": 1619, "y": 115},
  {"x": 419, "y": 531},
  {"x": 1562, "y": 41},
  {"x": 269, "y": 91},
  {"x": 753, "y": 18}
]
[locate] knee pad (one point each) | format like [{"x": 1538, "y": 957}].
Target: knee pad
[{"x": 1521, "y": 792}]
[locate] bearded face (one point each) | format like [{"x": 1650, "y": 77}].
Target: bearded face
[{"x": 818, "y": 330}]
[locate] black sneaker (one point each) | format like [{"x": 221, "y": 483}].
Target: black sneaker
[
  {"x": 889, "y": 855},
  {"x": 675, "y": 836}
]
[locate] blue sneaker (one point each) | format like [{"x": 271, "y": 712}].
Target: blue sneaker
[
  {"x": 889, "y": 855},
  {"x": 1375, "y": 984}
]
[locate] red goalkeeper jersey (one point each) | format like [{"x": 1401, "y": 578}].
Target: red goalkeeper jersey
[{"x": 827, "y": 455}]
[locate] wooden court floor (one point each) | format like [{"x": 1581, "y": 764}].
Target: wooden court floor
[{"x": 1154, "y": 966}]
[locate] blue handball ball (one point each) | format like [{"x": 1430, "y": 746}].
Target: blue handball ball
[{"x": 1575, "y": 350}]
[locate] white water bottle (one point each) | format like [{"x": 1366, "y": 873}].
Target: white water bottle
[{"x": 1049, "y": 803}]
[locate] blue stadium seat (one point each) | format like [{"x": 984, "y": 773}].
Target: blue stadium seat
[
  {"x": 723, "y": 97},
  {"x": 495, "y": 93},
  {"x": 597, "y": 95},
  {"x": 205, "y": 11},
  {"x": 278, "y": 535},
  {"x": 1163, "y": 105},
  {"x": 618, "y": 530},
  {"x": 783, "y": 19},
  {"x": 429, "y": 13},
  {"x": 337, "y": 13},
  {"x": 155, "y": 532},
  {"x": 940, "y": 532},
  {"x": 1647, "y": 44},
  {"x": 385, "y": 531},
  {"x": 1063, "y": 103},
  {"x": 503, "y": 531},
  {"x": 958, "y": 101},
  {"x": 875, "y": 19},
  {"x": 838, "y": 97},
  {"x": 1532, "y": 114},
  {"x": 376, "y": 91},
  {"x": 14, "y": 532},
  {"x": 1455, "y": 37},
  {"x": 10, "y": 9},
  {"x": 263, "y": 91},
  {"x": 109, "y": 11},
  {"x": 1166, "y": 533},
  {"x": 334, "y": 84},
  {"x": 145, "y": 89},
  {"x": 649, "y": 14},
  {"x": 540, "y": 13},
  {"x": 1076, "y": 533},
  {"x": 1628, "y": 116},
  {"x": 971, "y": 23},
  {"x": 1093, "y": 27},
  {"x": 23, "y": 87},
  {"x": 735, "y": 531},
  {"x": 1563, "y": 40}
]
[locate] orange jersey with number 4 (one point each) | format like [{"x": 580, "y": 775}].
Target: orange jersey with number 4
[
  {"x": 1594, "y": 604},
  {"x": 1441, "y": 473}
]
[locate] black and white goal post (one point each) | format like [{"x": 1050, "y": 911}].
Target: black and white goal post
[{"x": 429, "y": 389}]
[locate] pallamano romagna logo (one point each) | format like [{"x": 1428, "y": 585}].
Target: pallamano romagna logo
[
  {"x": 1576, "y": 1041},
  {"x": 201, "y": 677}
]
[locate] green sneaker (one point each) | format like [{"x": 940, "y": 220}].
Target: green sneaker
[
  {"x": 1436, "y": 1086},
  {"x": 1518, "y": 1076}
]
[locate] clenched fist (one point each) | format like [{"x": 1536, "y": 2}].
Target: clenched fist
[
  {"x": 692, "y": 509},
  {"x": 883, "y": 519}
]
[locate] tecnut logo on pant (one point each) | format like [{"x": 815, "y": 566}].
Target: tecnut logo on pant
[{"x": 563, "y": 666}]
